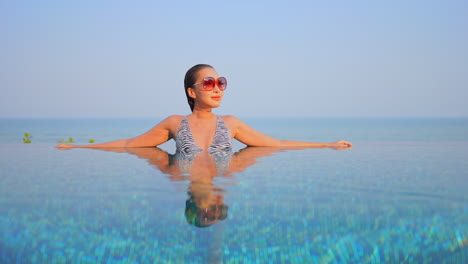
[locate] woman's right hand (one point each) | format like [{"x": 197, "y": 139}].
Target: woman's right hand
[{"x": 64, "y": 146}]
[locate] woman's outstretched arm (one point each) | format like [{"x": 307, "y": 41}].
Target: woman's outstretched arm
[
  {"x": 155, "y": 136},
  {"x": 251, "y": 137}
]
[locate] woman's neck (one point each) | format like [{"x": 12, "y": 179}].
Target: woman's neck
[{"x": 203, "y": 113}]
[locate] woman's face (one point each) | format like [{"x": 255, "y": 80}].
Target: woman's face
[{"x": 206, "y": 99}]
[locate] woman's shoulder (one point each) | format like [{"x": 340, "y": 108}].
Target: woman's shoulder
[
  {"x": 170, "y": 121},
  {"x": 175, "y": 118},
  {"x": 231, "y": 119}
]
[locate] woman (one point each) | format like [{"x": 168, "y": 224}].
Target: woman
[{"x": 203, "y": 130}]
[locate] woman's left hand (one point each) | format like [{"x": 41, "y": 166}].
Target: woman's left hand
[{"x": 341, "y": 145}]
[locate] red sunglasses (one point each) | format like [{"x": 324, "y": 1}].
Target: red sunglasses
[{"x": 210, "y": 82}]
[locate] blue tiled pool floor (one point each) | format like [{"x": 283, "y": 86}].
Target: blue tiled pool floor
[{"x": 378, "y": 202}]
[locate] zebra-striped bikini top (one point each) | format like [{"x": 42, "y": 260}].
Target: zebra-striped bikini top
[{"x": 187, "y": 145}]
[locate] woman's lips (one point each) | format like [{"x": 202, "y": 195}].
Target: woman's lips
[{"x": 216, "y": 98}]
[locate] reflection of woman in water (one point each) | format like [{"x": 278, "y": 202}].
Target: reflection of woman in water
[
  {"x": 205, "y": 205},
  {"x": 203, "y": 130}
]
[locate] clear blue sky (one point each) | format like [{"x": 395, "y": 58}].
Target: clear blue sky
[{"x": 282, "y": 58}]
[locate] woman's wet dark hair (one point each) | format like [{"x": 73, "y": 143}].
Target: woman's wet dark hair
[{"x": 190, "y": 79}]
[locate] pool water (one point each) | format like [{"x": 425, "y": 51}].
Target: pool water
[{"x": 382, "y": 201}]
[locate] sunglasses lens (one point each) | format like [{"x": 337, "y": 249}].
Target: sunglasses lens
[
  {"x": 222, "y": 82},
  {"x": 208, "y": 84}
]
